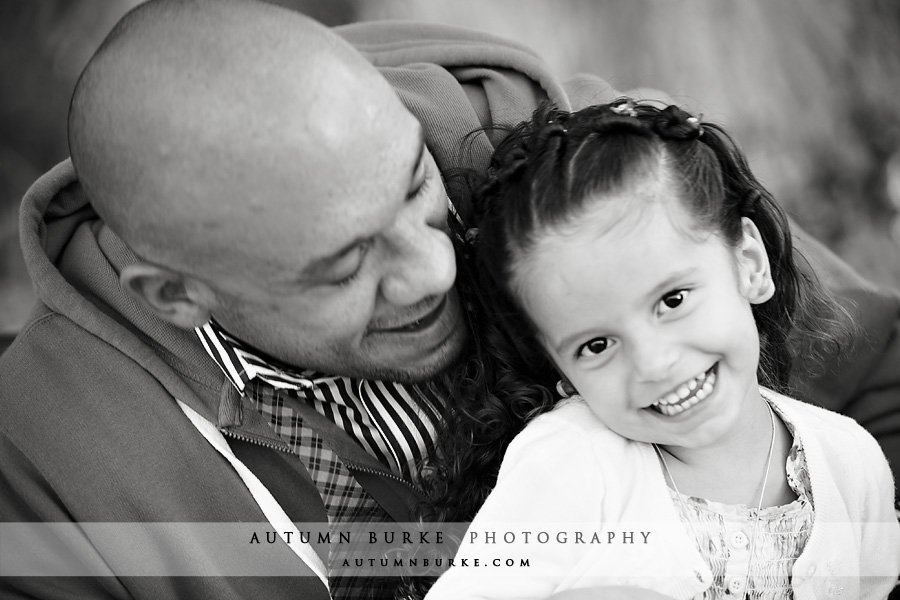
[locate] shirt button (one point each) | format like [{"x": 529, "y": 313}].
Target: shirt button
[
  {"x": 736, "y": 585},
  {"x": 811, "y": 571},
  {"x": 739, "y": 539}
]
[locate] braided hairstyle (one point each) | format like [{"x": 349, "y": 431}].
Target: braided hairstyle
[{"x": 541, "y": 175}]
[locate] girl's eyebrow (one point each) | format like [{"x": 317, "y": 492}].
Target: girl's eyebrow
[
  {"x": 571, "y": 339},
  {"x": 568, "y": 341},
  {"x": 669, "y": 282}
]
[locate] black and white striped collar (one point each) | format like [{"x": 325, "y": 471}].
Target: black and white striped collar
[
  {"x": 242, "y": 363},
  {"x": 393, "y": 422}
]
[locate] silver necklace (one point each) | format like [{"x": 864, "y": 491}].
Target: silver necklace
[{"x": 762, "y": 493}]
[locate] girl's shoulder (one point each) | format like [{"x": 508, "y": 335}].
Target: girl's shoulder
[
  {"x": 573, "y": 425},
  {"x": 571, "y": 443},
  {"x": 574, "y": 415},
  {"x": 834, "y": 433},
  {"x": 806, "y": 414}
]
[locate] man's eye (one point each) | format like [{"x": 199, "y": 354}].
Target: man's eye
[
  {"x": 419, "y": 179},
  {"x": 672, "y": 300},
  {"x": 358, "y": 255},
  {"x": 346, "y": 280},
  {"x": 594, "y": 347}
]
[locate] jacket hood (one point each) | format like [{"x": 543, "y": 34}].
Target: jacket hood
[
  {"x": 74, "y": 261},
  {"x": 457, "y": 81}
]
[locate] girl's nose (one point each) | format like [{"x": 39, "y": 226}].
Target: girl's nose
[{"x": 654, "y": 359}]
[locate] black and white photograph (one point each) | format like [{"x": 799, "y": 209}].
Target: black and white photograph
[{"x": 449, "y": 299}]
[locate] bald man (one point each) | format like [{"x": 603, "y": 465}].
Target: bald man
[{"x": 246, "y": 285}]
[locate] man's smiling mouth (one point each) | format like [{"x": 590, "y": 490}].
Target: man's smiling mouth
[
  {"x": 688, "y": 394},
  {"x": 420, "y": 324}
]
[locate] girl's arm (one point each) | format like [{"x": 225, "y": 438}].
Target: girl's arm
[
  {"x": 545, "y": 481},
  {"x": 880, "y": 545}
]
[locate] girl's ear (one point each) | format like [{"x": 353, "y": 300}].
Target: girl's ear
[{"x": 754, "y": 277}]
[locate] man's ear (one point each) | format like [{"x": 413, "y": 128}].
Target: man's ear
[
  {"x": 754, "y": 277},
  {"x": 179, "y": 299}
]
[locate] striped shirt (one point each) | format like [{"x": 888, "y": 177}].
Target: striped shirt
[{"x": 393, "y": 422}]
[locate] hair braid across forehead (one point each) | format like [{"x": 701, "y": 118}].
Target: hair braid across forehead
[
  {"x": 548, "y": 163},
  {"x": 528, "y": 145},
  {"x": 674, "y": 123}
]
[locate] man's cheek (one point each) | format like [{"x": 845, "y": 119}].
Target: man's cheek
[{"x": 345, "y": 317}]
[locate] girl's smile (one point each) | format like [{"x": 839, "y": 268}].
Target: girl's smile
[{"x": 688, "y": 394}]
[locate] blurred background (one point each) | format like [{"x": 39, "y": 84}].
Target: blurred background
[{"x": 810, "y": 89}]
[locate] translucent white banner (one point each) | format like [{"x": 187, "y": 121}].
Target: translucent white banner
[{"x": 404, "y": 549}]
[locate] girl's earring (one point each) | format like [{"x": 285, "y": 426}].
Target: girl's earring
[{"x": 565, "y": 389}]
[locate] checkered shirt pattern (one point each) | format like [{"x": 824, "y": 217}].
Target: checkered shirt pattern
[{"x": 345, "y": 500}]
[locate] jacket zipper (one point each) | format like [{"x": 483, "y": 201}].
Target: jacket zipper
[
  {"x": 253, "y": 440},
  {"x": 355, "y": 466}
]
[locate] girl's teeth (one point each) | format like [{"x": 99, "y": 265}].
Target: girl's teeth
[
  {"x": 670, "y": 399},
  {"x": 674, "y": 402},
  {"x": 691, "y": 402}
]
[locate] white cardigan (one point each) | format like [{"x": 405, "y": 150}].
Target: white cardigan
[{"x": 554, "y": 481}]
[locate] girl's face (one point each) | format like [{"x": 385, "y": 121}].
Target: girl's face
[{"x": 649, "y": 317}]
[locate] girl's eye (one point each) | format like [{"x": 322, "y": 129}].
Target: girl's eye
[
  {"x": 672, "y": 300},
  {"x": 593, "y": 348}
]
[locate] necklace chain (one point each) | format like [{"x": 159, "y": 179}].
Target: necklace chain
[{"x": 762, "y": 494}]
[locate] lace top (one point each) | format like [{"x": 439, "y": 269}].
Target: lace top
[{"x": 724, "y": 535}]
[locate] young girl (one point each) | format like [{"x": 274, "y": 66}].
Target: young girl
[{"x": 634, "y": 255}]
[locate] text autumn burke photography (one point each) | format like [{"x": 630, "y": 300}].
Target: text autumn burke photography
[
  {"x": 428, "y": 549},
  {"x": 427, "y": 538},
  {"x": 380, "y": 549}
]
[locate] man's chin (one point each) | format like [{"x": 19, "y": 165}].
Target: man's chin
[
  {"x": 423, "y": 366},
  {"x": 411, "y": 355}
]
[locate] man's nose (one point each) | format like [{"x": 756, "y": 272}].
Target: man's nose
[{"x": 422, "y": 262}]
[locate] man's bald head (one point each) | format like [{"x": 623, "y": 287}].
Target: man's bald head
[
  {"x": 188, "y": 104},
  {"x": 270, "y": 178}
]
